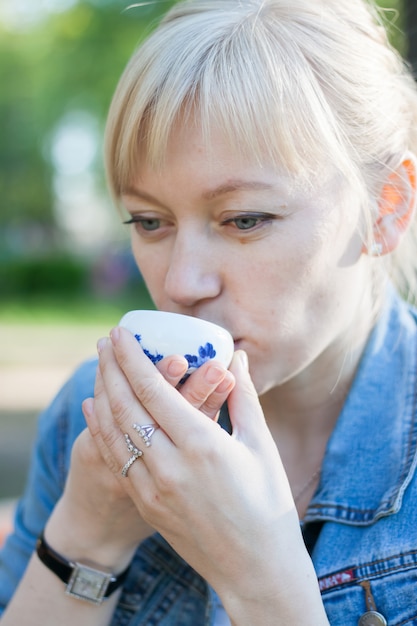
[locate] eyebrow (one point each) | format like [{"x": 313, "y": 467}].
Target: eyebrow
[
  {"x": 211, "y": 194},
  {"x": 142, "y": 195},
  {"x": 236, "y": 185}
]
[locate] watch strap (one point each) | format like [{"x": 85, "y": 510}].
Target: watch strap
[{"x": 64, "y": 569}]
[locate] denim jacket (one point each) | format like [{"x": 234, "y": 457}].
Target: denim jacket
[{"x": 364, "y": 510}]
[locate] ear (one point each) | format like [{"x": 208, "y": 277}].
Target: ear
[{"x": 396, "y": 205}]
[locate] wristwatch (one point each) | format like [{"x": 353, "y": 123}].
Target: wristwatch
[{"x": 83, "y": 581}]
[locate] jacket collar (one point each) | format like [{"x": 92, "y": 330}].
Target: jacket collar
[{"x": 371, "y": 455}]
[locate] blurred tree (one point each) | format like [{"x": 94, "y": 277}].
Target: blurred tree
[
  {"x": 68, "y": 61},
  {"x": 24, "y": 174}
]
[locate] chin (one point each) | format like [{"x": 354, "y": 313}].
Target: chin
[
  {"x": 262, "y": 385},
  {"x": 265, "y": 379},
  {"x": 262, "y": 389}
]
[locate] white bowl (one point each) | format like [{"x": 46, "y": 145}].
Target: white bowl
[{"x": 162, "y": 334}]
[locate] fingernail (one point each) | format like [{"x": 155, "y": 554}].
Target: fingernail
[
  {"x": 115, "y": 334},
  {"x": 244, "y": 359},
  {"x": 226, "y": 384},
  {"x": 214, "y": 374},
  {"x": 87, "y": 407},
  {"x": 176, "y": 368},
  {"x": 101, "y": 344}
]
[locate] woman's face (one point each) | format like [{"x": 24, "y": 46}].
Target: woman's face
[{"x": 240, "y": 245}]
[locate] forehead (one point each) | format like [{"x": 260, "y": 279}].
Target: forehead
[
  {"x": 216, "y": 164},
  {"x": 209, "y": 174},
  {"x": 208, "y": 134},
  {"x": 196, "y": 175}
]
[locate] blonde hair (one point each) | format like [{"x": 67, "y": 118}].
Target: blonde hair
[{"x": 308, "y": 85}]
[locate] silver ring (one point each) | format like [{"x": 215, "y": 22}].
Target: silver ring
[
  {"x": 136, "y": 454},
  {"x": 129, "y": 464},
  {"x": 146, "y": 432},
  {"x": 131, "y": 447}
]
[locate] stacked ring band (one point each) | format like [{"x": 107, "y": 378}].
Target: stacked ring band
[
  {"x": 146, "y": 432},
  {"x": 127, "y": 465},
  {"x": 131, "y": 447},
  {"x": 136, "y": 454}
]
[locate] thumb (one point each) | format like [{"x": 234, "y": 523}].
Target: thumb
[{"x": 245, "y": 411}]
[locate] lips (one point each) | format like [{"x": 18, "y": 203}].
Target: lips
[{"x": 236, "y": 341}]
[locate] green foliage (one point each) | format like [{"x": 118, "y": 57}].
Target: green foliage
[
  {"x": 24, "y": 175},
  {"x": 62, "y": 287},
  {"x": 70, "y": 61},
  {"x": 46, "y": 275}
]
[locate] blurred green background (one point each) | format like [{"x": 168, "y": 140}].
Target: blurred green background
[
  {"x": 66, "y": 273},
  {"x": 61, "y": 243}
]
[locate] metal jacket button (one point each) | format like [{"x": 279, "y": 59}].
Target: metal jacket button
[{"x": 372, "y": 618}]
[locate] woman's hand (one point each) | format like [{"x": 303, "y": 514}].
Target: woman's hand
[
  {"x": 223, "y": 502},
  {"x": 95, "y": 517},
  {"x": 103, "y": 521}
]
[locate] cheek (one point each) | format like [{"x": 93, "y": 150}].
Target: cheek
[
  {"x": 296, "y": 283},
  {"x": 152, "y": 268}
]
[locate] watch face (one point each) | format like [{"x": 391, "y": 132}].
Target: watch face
[{"x": 87, "y": 583}]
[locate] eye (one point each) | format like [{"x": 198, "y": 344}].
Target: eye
[
  {"x": 148, "y": 224},
  {"x": 249, "y": 221},
  {"x": 246, "y": 222}
]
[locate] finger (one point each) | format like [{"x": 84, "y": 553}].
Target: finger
[
  {"x": 95, "y": 432},
  {"x": 176, "y": 416},
  {"x": 113, "y": 394},
  {"x": 114, "y": 452},
  {"x": 103, "y": 428},
  {"x": 173, "y": 368},
  {"x": 208, "y": 387},
  {"x": 216, "y": 400},
  {"x": 245, "y": 411},
  {"x": 118, "y": 410},
  {"x": 138, "y": 483},
  {"x": 88, "y": 409}
]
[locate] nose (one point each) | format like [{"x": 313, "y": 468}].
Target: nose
[{"x": 193, "y": 274}]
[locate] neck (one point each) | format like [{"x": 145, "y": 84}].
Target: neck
[
  {"x": 310, "y": 402},
  {"x": 302, "y": 413}
]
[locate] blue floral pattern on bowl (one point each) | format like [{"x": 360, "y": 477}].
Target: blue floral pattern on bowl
[
  {"x": 205, "y": 353},
  {"x": 153, "y": 357}
]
